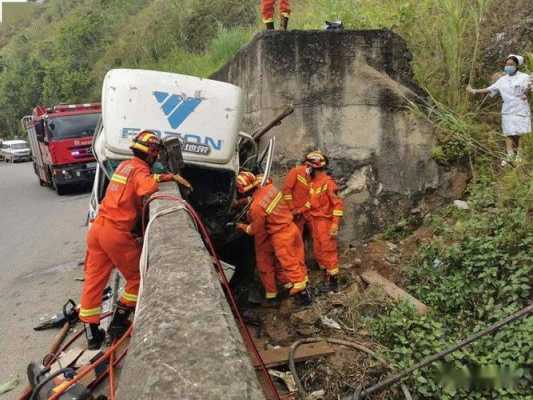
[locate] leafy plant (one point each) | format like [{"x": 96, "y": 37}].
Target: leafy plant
[{"x": 479, "y": 271}]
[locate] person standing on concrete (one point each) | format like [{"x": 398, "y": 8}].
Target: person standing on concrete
[
  {"x": 276, "y": 237},
  {"x": 296, "y": 193},
  {"x": 325, "y": 211},
  {"x": 267, "y": 11},
  {"x": 513, "y": 88},
  {"x": 110, "y": 241}
]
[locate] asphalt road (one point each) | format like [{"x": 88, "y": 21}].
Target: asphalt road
[{"x": 41, "y": 247}]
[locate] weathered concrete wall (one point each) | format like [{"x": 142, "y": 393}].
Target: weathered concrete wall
[
  {"x": 186, "y": 344},
  {"x": 348, "y": 90}
]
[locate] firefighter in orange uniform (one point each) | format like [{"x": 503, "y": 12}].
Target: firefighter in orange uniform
[
  {"x": 110, "y": 241},
  {"x": 296, "y": 193},
  {"x": 276, "y": 237},
  {"x": 325, "y": 211},
  {"x": 267, "y": 12}
]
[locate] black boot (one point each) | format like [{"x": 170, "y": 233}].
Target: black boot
[
  {"x": 284, "y": 23},
  {"x": 271, "y": 303},
  {"x": 333, "y": 284},
  {"x": 95, "y": 336},
  {"x": 120, "y": 322},
  {"x": 270, "y": 26},
  {"x": 304, "y": 297}
]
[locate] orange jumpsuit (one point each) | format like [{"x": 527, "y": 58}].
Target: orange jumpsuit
[
  {"x": 276, "y": 236},
  {"x": 110, "y": 241},
  {"x": 267, "y": 9},
  {"x": 325, "y": 209},
  {"x": 296, "y": 194}
]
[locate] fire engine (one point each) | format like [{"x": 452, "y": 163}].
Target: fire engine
[{"x": 61, "y": 143}]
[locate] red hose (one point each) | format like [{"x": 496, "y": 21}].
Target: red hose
[
  {"x": 109, "y": 354},
  {"x": 92, "y": 366},
  {"x": 111, "y": 376}
]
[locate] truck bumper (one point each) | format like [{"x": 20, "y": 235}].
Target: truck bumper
[{"x": 75, "y": 174}]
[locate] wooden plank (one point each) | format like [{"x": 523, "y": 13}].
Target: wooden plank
[
  {"x": 277, "y": 357},
  {"x": 393, "y": 291}
]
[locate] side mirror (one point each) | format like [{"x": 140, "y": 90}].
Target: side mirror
[
  {"x": 39, "y": 130},
  {"x": 171, "y": 156}
]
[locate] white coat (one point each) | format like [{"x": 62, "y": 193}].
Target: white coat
[{"x": 516, "y": 113}]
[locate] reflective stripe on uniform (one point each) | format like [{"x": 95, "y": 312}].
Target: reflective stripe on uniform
[
  {"x": 271, "y": 295},
  {"x": 307, "y": 205},
  {"x": 338, "y": 213},
  {"x": 119, "y": 179},
  {"x": 300, "y": 285},
  {"x": 302, "y": 179},
  {"x": 288, "y": 197},
  {"x": 319, "y": 190},
  {"x": 90, "y": 312},
  {"x": 129, "y": 297},
  {"x": 273, "y": 204},
  {"x": 157, "y": 177},
  {"x": 332, "y": 271}
]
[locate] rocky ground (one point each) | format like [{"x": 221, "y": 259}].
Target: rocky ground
[{"x": 341, "y": 315}]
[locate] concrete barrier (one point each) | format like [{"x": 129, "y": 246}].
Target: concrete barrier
[{"x": 186, "y": 343}]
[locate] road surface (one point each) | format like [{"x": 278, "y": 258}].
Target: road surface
[{"x": 41, "y": 247}]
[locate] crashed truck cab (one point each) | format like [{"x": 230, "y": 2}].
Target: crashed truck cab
[{"x": 204, "y": 114}]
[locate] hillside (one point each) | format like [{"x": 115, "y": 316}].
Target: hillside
[{"x": 470, "y": 266}]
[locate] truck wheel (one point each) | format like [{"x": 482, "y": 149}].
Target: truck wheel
[{"x": 60, "y": 189}]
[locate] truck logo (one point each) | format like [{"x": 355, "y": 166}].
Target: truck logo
[{"x": 175, "y": 107}]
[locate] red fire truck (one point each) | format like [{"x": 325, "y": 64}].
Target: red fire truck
[{"x": 61, "y": 143}]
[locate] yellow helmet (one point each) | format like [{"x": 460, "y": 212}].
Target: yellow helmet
[
  {"x": 316, "y": 159},
  {"x": 246, "y": 181},
  {"x": 147, "y": 142}
]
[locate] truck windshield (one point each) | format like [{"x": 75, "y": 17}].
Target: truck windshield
[
  {"x": 73, "y": 126},
  {"x": 18, "y": 146}
]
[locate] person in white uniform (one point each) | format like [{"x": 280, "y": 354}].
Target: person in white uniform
[{"x": 513, "y": 88}]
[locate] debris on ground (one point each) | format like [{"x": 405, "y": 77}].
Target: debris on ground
[
  {"x": 370, "y": 282},
  {"x": 9, "y": 385},
  {"x": 461, "y": 204},
  {"x": 395, "y": 292}
]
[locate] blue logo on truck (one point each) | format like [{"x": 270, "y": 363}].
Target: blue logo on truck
[{"x": 175, "y": 107}]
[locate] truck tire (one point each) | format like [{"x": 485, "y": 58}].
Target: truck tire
[{"x": 60, "y": 189}]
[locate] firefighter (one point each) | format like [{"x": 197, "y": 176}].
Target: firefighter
[
  {"x": 276, "y": 238},
  {"x": 296, "y": 193},
  {"x": 110, "y": 241},
  {"x": 325, "y": 210},
  {"x": 267, "y": 11}
]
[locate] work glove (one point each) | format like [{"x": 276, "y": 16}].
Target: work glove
[
  {"x": 334, "y": 230},
  {"x": 176, "y": 178}
]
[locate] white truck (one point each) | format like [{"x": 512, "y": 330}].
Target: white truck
[{"x": 204, "y": 114}]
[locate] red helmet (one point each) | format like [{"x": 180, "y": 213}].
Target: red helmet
[
  {"x": 316, "y": 160},
  {"x": 147, "y": 142},
  {"x": 246, "y": 181}
]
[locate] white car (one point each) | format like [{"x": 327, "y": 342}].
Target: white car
[{"x": 15, "y": 150}]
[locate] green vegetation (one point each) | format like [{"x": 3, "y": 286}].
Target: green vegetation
[
  {"x": 64, "y": 54},
  {"x": 479, "y": 268},
  {"x": 477, "y": 271}
]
